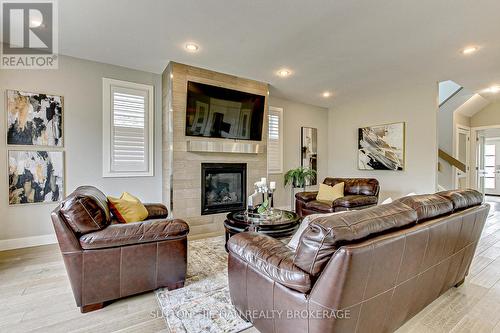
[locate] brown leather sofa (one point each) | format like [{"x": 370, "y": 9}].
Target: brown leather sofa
[
  {"x": 361, "y": 271},
  {"x": 107, "y": 260},
  {"x": 359, "y": 193}
]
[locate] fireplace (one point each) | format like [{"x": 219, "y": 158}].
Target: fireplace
[{"x": 223, "y": 187}]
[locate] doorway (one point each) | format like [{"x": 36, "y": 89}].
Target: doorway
[
  {"x": 486, "y": 175},
  {"x": 492, "y": 166}
]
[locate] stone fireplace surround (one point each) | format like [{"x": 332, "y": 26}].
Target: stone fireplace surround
[{"x": 182, "y": 188}]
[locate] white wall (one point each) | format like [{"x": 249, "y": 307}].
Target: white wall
[
  {"x": 445, "y": 124},
  {"x": 488, "y": 116},
  {"x": 411, "y": 102},
  {"x": 297, "y": 115},
  {"x": 80, "y": 82}
]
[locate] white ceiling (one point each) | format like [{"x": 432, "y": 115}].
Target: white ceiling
[{"x": 346, "y": 47}]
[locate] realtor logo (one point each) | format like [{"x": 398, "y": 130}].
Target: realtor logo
[{"x": 29, "y": 34}]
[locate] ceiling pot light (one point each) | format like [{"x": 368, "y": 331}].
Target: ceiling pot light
[
  {"x": 191, "y": 47},
  {"x": 493, "y": 89},
  {"x": 284, "y": 72},
  {"x": 469, "y": 50},
  {"x": 326, "y": 94}
]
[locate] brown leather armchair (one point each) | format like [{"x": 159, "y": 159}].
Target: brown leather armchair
[
  {"x": 107, "y": 260},
  {"x": 361, "y": 271},
  {"x": 359, "y": 193}
]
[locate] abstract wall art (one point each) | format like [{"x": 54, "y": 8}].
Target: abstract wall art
[
  {"x": 382, "y": 147},
  {"x": 35, "y": 176},
  {"x": 34, "y": 119}
]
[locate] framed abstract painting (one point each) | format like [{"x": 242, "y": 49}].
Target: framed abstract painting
[
  {"x": 35, "y": 176},
  {"x": 34, "y": 119},
  {"x": 382, "y": 147}
]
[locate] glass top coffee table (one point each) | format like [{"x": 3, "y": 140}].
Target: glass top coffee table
[{"x": 278, "y": 224}]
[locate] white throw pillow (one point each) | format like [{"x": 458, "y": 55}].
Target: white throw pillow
[
  {"x": 386, "y": 201},
  {"x": 294, "y": 242}
]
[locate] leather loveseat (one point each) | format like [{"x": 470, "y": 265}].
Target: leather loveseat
[
  {"x": 361, "y": 271},
  {"x": 107, "y": 260},
  {"x": 359, "y": 193}
]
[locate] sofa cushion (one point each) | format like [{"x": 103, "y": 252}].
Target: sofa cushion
[
  {"x": 352, "y": 201},
  {"x": 362, "y": 186},
  {"x": 326, "y": 234},
  {"x": 133, "y": 233},
  {"x": 270, "y": 257},
  {"x": 320, "y": 206},
  {"x": 86, "y": 210},
  {"x": 463, "y": 199},
  {"x": 294, "y": 241},
  {"x": 328, "y": 194},
  {"x": 127, "y": 208},
  {"x": 428, "y": 206}
]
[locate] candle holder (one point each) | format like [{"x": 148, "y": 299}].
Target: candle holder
[{"x": 267, "y": 197}]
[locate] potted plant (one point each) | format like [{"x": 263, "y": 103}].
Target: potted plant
[{"x": 299, "y": 176}]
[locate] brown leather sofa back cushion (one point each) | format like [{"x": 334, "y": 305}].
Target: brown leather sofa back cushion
[
  {"x": 428, "y": 206},
  {"x": 326, "y": 234},
  {"x": 86, "y": 210},
  {"x": 356, "y": 186},
  {"x": 462, "y": 199}
]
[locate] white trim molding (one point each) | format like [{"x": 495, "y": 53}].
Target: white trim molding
[{"x": 19, "y": 243}]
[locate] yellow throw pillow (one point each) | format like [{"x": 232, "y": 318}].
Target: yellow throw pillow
[
  {"x": 129, "y": 197},
  {"x": 127, "y": 208},
  {"x": 329, "y": 194}
]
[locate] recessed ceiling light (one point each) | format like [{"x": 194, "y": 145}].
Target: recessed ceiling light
[
  {"x": 493, "y": 89},
  {"x": 470, "y": 49},
  {"x": 192, "y": 47},
  {"x": 284, "y": 72},
  {"x": 327, "y": 94}
]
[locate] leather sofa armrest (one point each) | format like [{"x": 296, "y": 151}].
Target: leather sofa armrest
[
  {"x": 270, "y": 257},
  {"x": 306, "y": 196},
  {"x": 156, "y": 210},
  {"x": 124, "y": 234}
]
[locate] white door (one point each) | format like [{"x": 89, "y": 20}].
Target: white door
[
  {"x": 480, "y": 159},
  {"x": 492, "y": 166},
  {"x": 462, "y": 154}
]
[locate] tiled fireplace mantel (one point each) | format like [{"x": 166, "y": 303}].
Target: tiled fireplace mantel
[{"x": 184, "y": 155}]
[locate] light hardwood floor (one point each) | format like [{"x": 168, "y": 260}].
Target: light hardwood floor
[{"x": 36, "y": 296}]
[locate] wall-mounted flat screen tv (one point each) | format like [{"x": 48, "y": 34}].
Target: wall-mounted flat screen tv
[{"x": 217, "y": 112}]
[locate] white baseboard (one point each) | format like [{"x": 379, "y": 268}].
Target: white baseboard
[{"x": 18, "y": 243}]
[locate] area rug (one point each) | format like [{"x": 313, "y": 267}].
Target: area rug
[{"x": 204, "y": 304}]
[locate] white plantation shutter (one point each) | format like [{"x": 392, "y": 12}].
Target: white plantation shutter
[
  {"x": 128, "y": 129},
  {"x": 275, "y": 141}
]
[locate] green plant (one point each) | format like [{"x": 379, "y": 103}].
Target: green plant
[
  {"x": 299, "y": 176},
  {"x": 263, "y": 207}
]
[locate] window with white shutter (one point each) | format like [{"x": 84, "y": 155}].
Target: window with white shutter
[
  {"x": 275, "y": 141},
  {"x": 127, "y": 129}
]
